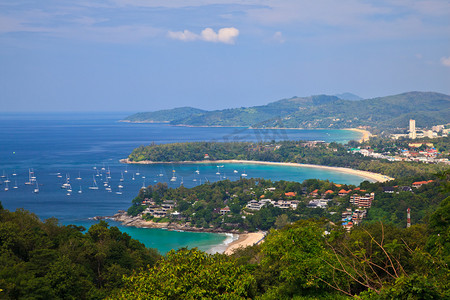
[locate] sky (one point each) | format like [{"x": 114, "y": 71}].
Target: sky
[{"x": 147, "y": 55}]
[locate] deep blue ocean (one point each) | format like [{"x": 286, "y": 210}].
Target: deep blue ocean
[{"x": 89, "y": 145}]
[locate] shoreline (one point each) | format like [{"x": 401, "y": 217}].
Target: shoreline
[
  {"x": 365, "y": 174},
  {"x": 243, "y": 239},
  {"x": 366, "y": 134}
]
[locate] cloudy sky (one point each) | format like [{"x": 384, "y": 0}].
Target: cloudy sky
[{"x": 144, "y": 55}]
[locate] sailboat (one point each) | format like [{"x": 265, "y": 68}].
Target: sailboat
[
  {"x": 120, "y": 190},
  {"x": 174, "y": 178},
  {"x": 235, "y": 171},
  {"x": 6, "y": 187},
  {"x": 14, "y": 173},
  {"x": 29, "y": 177},
  {"x": 94, "y": 185},
  {"x": 80, "y": 191},
  {"x": 66, "y": 184},
  {"x": 36, "y": 189},
  {"x": 15, "y": 185},
  {"x": 4, "y": 174},
  {"x": 79, "y": 176},
  {"x": 69, "y": 189},
  {"x": 137, "y": 173},
  {"x": 197, "y": 171},
  {"x": 244, "y": 174},
  {"x": 7, "y": 179},
  {"x": 126, "y": 169},
  {"x": 133, "y": 177},
  {"x": 121, "y": 178},
  {"x": 109, "y": 173},
  {"x": 218, "y": 170}
]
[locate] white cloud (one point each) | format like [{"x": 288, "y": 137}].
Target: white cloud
[
  {"x": 226, "y": 35},
  {"x": 445, "y": 61},
  {"x": 278, "y": 37}
]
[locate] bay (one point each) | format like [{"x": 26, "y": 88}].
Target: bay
[{"x": 88, "y": 145}]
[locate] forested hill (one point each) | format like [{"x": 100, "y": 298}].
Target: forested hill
[
  {"x": 164, "y": 116},
  {"x": 427, "y": 108}
]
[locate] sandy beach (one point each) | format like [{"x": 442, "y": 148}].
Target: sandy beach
[
  {"x": 366, "y": 134},
  {"x": 365, "y": 174},
  {"x": 244, "y": 240}
]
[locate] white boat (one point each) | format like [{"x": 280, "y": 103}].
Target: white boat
[
  {"x": 108, "y": 188},
  {"x": 218, "y": 170},
  {"x": 120, "y": 190},
  {"x": 69, "y": 189},
  {"x": 80, "y": 191},
  {"x": 120, "y": 186},
  {"x": 235, "y": 171},
  {"x": 36, "y": 189},
  {"x": 14, "y": 173},
  {"x": 29, "y": 177},
  {"x": 174, "y": 177},
  {"x": 126, "y": 169},
  {"x": 94, "y": 185},
  {"x": 66, "y": 184},
  {"x": 4, "y": 174},
  {"x": 15, "y": 185},
  {"x": 244, "y": 174},
  {"x": 79, "y": 176},
  {"x": 121, "y": 178},
  {"x": 6, "y": 187},
  {"x": 137, "y": 173},
  {"x": 133, "y": 177},
  {"x": 7, "y": 180},
  {"x": 197, "y": 171}
]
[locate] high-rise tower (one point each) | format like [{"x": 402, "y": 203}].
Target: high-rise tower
[{"x": 412, "y": 129}]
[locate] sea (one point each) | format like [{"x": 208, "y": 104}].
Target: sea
[{"x": 80, "y": 148}]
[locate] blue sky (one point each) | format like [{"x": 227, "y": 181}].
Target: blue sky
[{"x": 145, "y": 55}]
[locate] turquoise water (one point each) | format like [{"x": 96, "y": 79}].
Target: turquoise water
[{"x": 79, "y": 145}]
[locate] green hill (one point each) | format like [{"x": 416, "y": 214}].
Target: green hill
[
  {"x": 321, "y": 111},
  {"x": 164, "y": 116}
]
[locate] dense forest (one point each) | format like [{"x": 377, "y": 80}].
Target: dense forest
[
  {"x": 332, "y": 154},
  {"x": 320, "y": 111},
  {"x": 45, "y": 260}
]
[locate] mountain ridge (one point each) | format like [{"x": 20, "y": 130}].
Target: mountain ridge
[{"x": 319, "y": 111}]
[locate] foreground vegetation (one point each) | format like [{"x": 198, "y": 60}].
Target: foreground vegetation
[{"x": 44, "y": 260}]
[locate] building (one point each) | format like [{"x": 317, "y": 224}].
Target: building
[
  {"x": 412, "y": 129},
  {"x": 362, "y": 201}
]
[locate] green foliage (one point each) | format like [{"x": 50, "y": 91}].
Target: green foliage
[
  {"x": 43, "y": 260},
  {"x": 190, "y": 274}
]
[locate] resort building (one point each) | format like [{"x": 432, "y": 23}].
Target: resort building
[{"x": 362, "y": 201}]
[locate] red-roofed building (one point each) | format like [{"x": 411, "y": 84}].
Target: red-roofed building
[
  {"x": 225, "y": 210},
  {"x": 314, "y": 193},
  {"x": 418, "y": 184},
  {"x": 343, "y": 192},
  {"x": 329, "y": 192},
  {"x": 290, "y": 194}
]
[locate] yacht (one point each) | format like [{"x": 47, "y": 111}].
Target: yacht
[
  {"x": 94, "y": 185},
  {"x": 15, "y": 185},
  {"x": 6, "y": 187},
  {"x": 121, "y": 178},
  {"x": 36, "y": 189},
  {"x": 244, "y": 174},
  {"x": 66, "y": 184},
  {"x": 80, "y": 191},
  {"x": 174, "y": 177},
  {"x": 79, "y": 176}
]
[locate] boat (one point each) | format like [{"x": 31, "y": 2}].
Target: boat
[
  {"x": 108, "y": 173},
  {"x": 126, "y": 169},
  {"x": 181, "y": 183},
  {"x": 80, "y": 191},
  {"x": 244, "y": 174},
  {"x": 94, "y": 185},
  {"x": 66, "y": 184},
  {"x": 29, "y": 177},
  {"x": 218, "y": 170},
  {"x": 197, "y": 171},
  {"x": 235, "y": 171},
  {"x": 36, "y": 189},
  {"x": 174, "y": 177},
  {"x": 133, "y": 177},
  {"x": 15, "y": 185},
  {"x": 6, "y": 187},
  {"x": 79, "y": 176},
  {"x": 137, "y": 173},
  {"x": 108, "y": 188},
  {"x": 7, "y": 180},
  {"x": 14, "y": 173},
  {"x": 4, "y": 174},
  {"x": 120, "y": 186},
  {"x": 69, "y": 189},
  {"x": 121, "y": 178},
  {"x": 119, "y": 192}
]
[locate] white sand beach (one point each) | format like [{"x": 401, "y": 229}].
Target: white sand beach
[{"x": 244, "y": 240}]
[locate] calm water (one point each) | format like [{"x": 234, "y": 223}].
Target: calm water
[{"x": 86, "y": 146}]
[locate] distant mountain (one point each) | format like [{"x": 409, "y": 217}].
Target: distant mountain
[
  {"x": 349, "y": 96},
  {"x": 321, "y": 111},
  {"x": 164, "y": 116}
]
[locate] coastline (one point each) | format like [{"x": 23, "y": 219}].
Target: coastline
[
  {"x": 243, "y": 239},
  {"x": 366, "y": 134},
  {"x": 366, "y": 174}
]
